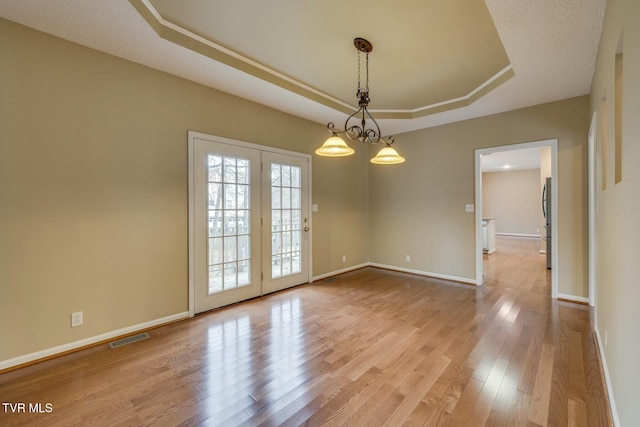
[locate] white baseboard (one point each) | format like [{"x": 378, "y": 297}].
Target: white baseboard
[
  {"x": 343, "y": 270},
  {"x": 607, "y": 380},
  {"x": 535, "y": 236},
  {"x": 574, "y": 298},
  {"x": 42, "y": 354},
  {"x": 395, "y": 268},
  {"x": 425, "y": 273}
]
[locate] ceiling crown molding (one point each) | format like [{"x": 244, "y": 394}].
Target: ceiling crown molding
[
  {"x": 189, "y": 40},
  {"x": 182, "y": 36}
]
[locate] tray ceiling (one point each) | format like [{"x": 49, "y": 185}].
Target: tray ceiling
[
  {"x": 428, "y": 55},
  {"x": 551, "y": 46}
]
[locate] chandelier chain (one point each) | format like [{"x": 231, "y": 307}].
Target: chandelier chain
[
  {"x": 367, "y": 69},
  {"x": 358, "y": 92},
  {"x": 366, "y": 83}
]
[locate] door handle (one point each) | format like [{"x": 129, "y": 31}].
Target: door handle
[{"x": 306, "y": 229}]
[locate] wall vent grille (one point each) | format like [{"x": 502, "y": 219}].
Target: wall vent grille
[{"x": 129, "y": 340}]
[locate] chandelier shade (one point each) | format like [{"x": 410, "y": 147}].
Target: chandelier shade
[
  {"x": 387, "y": 156},
  {"x": 335, "y": 146},
  {"x": 356, "y": 126}
]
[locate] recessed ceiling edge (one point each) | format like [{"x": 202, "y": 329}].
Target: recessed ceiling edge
[{"x": 179, "y": 35}]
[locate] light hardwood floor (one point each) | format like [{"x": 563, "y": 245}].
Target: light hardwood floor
[{"x": 370, "y": 347}]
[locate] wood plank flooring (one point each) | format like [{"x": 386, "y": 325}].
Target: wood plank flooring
[{"x": 370, "y": 348}]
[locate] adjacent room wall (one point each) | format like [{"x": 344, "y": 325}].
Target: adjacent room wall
[
  {"x": 617, "y": 231},
  {"x": 418, "y": 207},
  {"x": 93, "y": 188},
  {"x": 513, "y": 198}
]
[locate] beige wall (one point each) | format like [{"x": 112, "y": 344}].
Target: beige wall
[
  {"x": 513, "y": 198},
  {"x": 417, "y": 208},
  {"x": 617, "y": 231},
  {"x": 93, "y": 188}
]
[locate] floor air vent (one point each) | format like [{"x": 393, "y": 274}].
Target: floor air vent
[{"x": 129, "y": 340}]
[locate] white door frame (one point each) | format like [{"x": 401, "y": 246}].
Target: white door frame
[
  {"x": 592, "y": 214},
  {"x": 192, "y": 136},
  {"x": 553, "y": 143}
]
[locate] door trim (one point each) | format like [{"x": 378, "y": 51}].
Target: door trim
[
  {"x": 192, "y": 136},
  {"x": 553, "y": 143},
  {"x": 592, "y": 214}
]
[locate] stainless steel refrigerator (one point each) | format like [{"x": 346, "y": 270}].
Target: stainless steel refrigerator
[{"x": 546, "y": 211}]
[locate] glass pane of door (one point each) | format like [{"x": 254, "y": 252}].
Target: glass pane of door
[
  {"x": 286, "y": 227},
  {"x": 229, "y": 231}
]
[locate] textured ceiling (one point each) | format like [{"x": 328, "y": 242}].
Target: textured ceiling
[{"x": 550, "y": 44}]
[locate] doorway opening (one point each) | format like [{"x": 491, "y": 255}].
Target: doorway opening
[{"x": 524, "y": 230}]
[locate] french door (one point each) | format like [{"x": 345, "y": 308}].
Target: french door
[
  {"x": 249, "y": 224},
  {"x": 285, "y": 218}
]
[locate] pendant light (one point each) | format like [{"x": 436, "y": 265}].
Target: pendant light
[{"x": 335, "y": 146}]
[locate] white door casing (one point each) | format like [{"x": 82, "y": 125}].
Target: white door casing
[
  {"x": 553, "y": 143},
  {"x": 243, "y": 244}
]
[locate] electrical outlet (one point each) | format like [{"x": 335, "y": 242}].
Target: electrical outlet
[
  {"x": 469, "y": 208},
  {"x": 76, "y": 319},
  {"x": 407, "y": 258},
  {"x": 344, "y": 258}
]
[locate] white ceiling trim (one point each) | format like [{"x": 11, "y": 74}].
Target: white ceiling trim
[
  {"x": 348, "y": 108},
  {"x": 236, "y": 55},
  {"x": 452, "y": 101}
]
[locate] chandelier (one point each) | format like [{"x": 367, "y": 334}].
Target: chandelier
[{"x": 362, "y": 131}]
